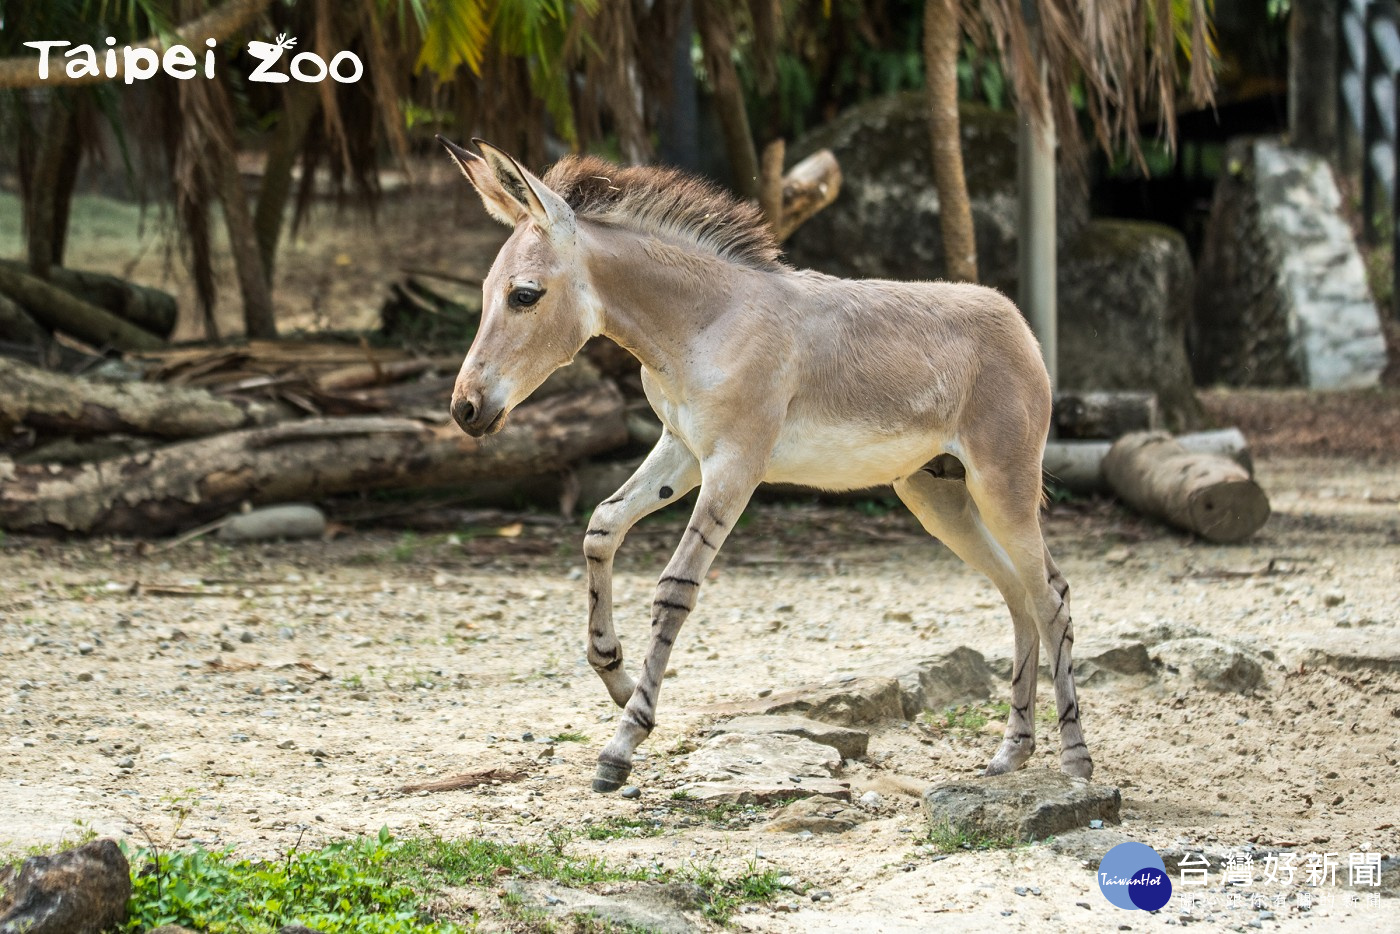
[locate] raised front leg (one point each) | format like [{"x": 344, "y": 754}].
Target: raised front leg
[
  {"x": 670, "y": 471},
  {"x": 719, "y": 507}
]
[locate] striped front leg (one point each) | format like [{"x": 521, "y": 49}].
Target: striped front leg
[
  {"x": 669, "y": 472},
  {"x": 676, "y": 592}
]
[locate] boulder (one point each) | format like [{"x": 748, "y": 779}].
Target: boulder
[
  {"x": 884, "y": 224},
  {"x": 659, "y": 907},
  {"x": 79, "y": 891},
  {"x": 1125, "y": 291},
  {"x": 1031, "y": 804},
  {"x": 1282, "y": 297},
  {"x": 849, "y": 702}
]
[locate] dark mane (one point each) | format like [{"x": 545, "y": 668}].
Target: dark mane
[{"x": 657, "y": 200}]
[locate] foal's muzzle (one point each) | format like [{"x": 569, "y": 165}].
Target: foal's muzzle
[{"x": 470, "y": 412}]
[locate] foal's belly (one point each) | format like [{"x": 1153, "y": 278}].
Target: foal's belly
[{"x": 846, "y": 457}]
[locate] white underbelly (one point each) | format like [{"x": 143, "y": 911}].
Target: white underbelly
[{"x": 847, "y": 457}]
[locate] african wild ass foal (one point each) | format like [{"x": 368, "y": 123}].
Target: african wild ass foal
[{"x": 760, "y": 372}]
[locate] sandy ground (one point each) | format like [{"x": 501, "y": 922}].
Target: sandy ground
[{"x": 137, "y": 686}]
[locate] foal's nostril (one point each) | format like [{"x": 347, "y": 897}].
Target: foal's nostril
[{"x": 463, "y": 411}]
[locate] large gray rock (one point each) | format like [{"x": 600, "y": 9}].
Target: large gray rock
[
  {"x": 1282, "y": 297},
  {"x": 1031, "y": 804},
  {"x": 884, "y": 224},
  {"x": 848, "y": 743},
  {"x": 79, "y": 891},
  {"x": 1124, "y": 309}
]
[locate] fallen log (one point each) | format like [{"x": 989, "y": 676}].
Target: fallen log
[
  {"x": 148, "y": 308},
  {"x": 52, "y": 403},
  {"x": 186, "y": 484},
  {"x": 1203, "y": 493},
  {"x": 18, "y": 327},
  {"x": 1077, "y": 466},
  {"x": 63, "y": 311}
]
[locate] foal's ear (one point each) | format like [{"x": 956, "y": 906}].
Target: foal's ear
[
  {"x": 551, "y": 212},
  {"x": 499, "y": 203}
]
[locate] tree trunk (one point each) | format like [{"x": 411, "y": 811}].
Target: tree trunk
[
  {"x": 259, "y": 321},
  {"x": 714, "y": 18},
  {"x": 299, "y": 106},
  {"x": 1209, "y": 495},
  {"x": 62, "y": 311},
  {"x": 1077, "y": 466},
  {"x": 1312, "y": 80},
  {"x": 46, "y": 186},
  {"x": 148, "y": 308},
  {"x": 184, "y": 485},
  {"x": 770, "y": 187},
  {"x": 56, "y": 404},
  {"x": 942, "y": 36}
]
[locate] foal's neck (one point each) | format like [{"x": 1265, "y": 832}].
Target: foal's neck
[{"x": 658, "y": 295}]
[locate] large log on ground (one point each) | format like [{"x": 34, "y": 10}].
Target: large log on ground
[
  {"x": 51, "y": 403},
  {"x": 808, "y": 187},
  {"x": 151, "y": 309},
  {"x": 63, "y": 311},
  {"x": 184, "y": 485},
  {"x": 1077, "y": 466},
  {"x": 1204, "y": 493}
]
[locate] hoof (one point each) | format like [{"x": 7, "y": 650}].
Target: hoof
[{"x": 610, "y": 777}]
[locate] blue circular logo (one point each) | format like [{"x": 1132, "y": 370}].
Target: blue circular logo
[{"x": 1132, "y": 876}]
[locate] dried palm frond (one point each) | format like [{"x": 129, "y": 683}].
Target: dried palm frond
[{"x": 1123, "y": 58}]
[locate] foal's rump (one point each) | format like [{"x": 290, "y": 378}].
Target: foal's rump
[{"x": 895, "y": 373}]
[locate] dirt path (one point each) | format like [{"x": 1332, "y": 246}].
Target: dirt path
[{"x": 428, "y": 656}]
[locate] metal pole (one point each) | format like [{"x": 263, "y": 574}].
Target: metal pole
[{"x": 1035, "y": 231}]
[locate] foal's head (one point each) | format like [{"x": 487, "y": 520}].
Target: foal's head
[{"x": 538, "y": 308}]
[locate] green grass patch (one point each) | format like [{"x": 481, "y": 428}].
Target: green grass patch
[
  {"x": 615, "y": 828},
  {"x": 381, "y": 885},
  {"x": 571, "y": 736},
  {"x": 352, "y": 887},
  {"x": 949, "y": 839}
]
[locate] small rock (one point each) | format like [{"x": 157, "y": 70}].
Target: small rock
[
  {"x": 1024, "y": 805},
  {"x": 1020, "y": 890},
  {"x": 290, "y": 520},
  {"x": 245, "y": 637},
  {"x": 126, "y": 762},
  {"x": 1334, "y": 598},
  {"x": 820, "y": 895},
  {"x": 85, "y": 648},
  {"x": 1212, "y": 664},
  {"x": 527, "y": 737},
  {"x": 871, "y": 799},
  {"x": 818, "y": 814},
  {"x": 79, "y": 891},
  {"x": 850, "y": 743},
  {"x": 287, "y": 744},
  {"x": 631, "y": 792},
  {"x": 84, "y": 676}
]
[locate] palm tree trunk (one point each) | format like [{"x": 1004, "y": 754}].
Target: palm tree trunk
[
  {"x": 43, "y": 209},
  {"x": 942, "y": 35},
  {"x": 298, "y": 107},
  {"x": 715, "y": 21}
]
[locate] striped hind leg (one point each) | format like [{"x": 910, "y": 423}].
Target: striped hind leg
[
  {"x": 947, "y": 511},
  {"x": 669, "y": 472},
  {"x": 1006, "y": 494}
]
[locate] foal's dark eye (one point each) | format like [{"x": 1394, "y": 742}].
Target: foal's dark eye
[{"x": 524, "y": 297}]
